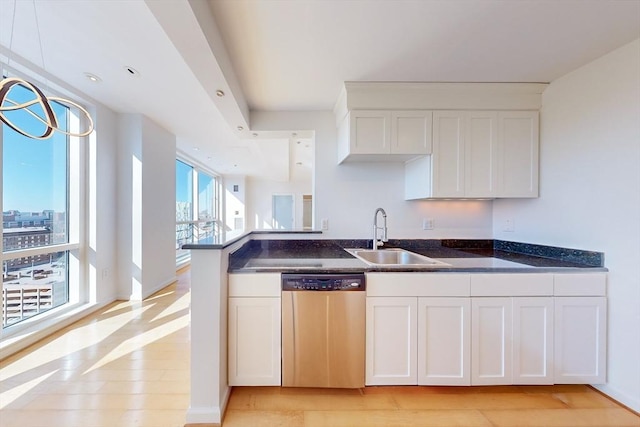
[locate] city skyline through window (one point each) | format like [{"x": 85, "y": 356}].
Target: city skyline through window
[{"x": 35, "y": 201}]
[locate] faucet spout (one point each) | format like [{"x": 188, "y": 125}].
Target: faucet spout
[{"x": 380, "y": 242}]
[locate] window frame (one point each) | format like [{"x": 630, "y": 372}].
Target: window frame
[{"x": 76, "y": 217}]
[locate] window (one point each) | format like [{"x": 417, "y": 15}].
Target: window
[
  {"x": 197, "y": 212},
  {"x": 39, "y": 248}
]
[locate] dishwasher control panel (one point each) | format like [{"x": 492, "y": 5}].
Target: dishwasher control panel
[{"x": 323, "y": 282}]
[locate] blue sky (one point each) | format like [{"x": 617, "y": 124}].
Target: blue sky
[
  {"x": 184, "y": 190},
  {"x": 34, "y": 172}
]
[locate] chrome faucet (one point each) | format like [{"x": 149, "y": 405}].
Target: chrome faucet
[{"x": 380, "y": 242}]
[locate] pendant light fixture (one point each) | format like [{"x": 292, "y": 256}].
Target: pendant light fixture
[{"x": 48, "y": 119}]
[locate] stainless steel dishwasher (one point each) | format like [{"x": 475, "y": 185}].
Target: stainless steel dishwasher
[{"x": 323, "y": 330}]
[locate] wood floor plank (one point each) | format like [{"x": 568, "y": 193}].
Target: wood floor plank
[
  {"x": 375, "y": 418},
  {"x": 563, "y": 418}
]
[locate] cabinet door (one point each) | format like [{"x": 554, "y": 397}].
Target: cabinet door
[
  {"x": 254, "y": 341},
  {"x": 448, "y": 154},
  {"x": 518, "y": 153},
  {"x": 481, "y": 154},
  {"x": 370, "y": 132},
  {"x": 533, "y": 340},
  {"x": 411, "y": 132},
  {"x": 444, "y": 327},
  {"x": 391, "y": 341},
  {"x": 491, "y": 341},
  {"x": 580, "y": 340}
]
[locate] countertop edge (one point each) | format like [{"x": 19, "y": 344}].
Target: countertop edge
[{"x": 231, "y": 241}]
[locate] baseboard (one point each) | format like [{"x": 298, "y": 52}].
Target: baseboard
[
  {"x": 630, "y": 402},
  {"x": 159, "y": 287}
]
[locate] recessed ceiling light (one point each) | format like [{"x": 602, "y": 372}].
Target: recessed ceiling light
[
  {"x": 209, "y": 157},
  {"x": 220, "y": 93},
  {"x": 240, "y": 128},
  {"x": 196, "y": 148},
  {"x": 132, "y": 71},
  {"x": 93, "y": 77}
]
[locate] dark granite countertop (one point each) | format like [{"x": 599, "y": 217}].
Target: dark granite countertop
[{"x": 329, "y": 256}]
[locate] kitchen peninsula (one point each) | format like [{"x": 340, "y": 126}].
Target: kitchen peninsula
[{"x": 485, "y": 281}]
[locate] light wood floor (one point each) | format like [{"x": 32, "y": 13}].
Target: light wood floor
[{"x": 128, "y": 365}]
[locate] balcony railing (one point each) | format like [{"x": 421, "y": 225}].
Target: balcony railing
[{"x": 192, "y": 232}]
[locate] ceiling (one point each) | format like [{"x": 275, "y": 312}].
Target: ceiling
[{"x": 284, "y": 55}]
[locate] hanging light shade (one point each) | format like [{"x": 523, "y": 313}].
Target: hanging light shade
[{"x": 49, "y": 120}]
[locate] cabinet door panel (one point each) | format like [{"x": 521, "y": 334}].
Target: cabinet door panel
[
  {"x": 370, "y": 132},
  {"x": 580, "y": 340},
  {"x": 491, "y": 341},
  {"x": 481, "y": 154},
  {"x": 533, "y": 340},
  {"x": 518, "y": 153},
  {"x": 254, "y": 341},
  {"x": 411, "y": 132},
  {"x": 444, "y": 327},
  {"x": 391, "y": 341},
  {"x": 448, "y": 154}
]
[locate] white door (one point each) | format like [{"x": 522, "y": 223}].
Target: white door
[
  {"x": 444, "y": 335},
  {"x": 283, "y": 208},
  {"x": 580, "y": 340},
  {"x": 411, "y": 132},
  {"x": 481, "y": 154},
  {"x": 254, "y": 341},
  {"x": 370, "y": 132},
  {"x": 533, "y": 340},
  {"x": 391, "y": 341},
  {"x": 518, "y": 154},
  {"x": 491, "y": 341},
  {"x": 448, "y": 153}
]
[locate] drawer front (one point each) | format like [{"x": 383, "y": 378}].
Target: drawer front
[{"x": 515, "y": 285}]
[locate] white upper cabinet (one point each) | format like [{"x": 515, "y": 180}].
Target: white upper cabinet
[
  {"x": 478, "y": 154},
  {"x": 464, "y": 159},
  {"x": 411, "y": 132},
  {"x": 384, "y": 135},
  {"x": 392, "y": 121},
  {"x": 448, "y": 154},
  {"x": 518, "y": 155},
  {"x": 481, "y": 154},
  {"x": 370, "y": 132}
]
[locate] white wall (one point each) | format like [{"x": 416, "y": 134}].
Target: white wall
[
  {"x": 146, "y": 207},
  {"x": 102, "y": 207},
  {"x": 590, "y": 193},
  {"x": 348, "y": 194},
  {"x": 235, "y": 211},
  {"x": 158, "y": 207},
  {"x": 260, "y": 204}
]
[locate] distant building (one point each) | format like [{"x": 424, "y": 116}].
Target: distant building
[{"x": 14, "y": 239}]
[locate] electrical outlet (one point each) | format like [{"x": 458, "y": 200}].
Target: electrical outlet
[
  {"x": 105, "y": 273},
  {"x": 509, "y": 225},
  {"x": 428, "y": 223},
  {"x": 325, "y": 224}
]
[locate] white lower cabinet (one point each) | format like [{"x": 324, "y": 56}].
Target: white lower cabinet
[
  {"x": 254, "y": 341},
  {"x": 580, "y": 340},
  {"x": 512, "y": 340},
  {"x": 490, "y": 341},
  {"x": 532, "y": 340},
  {"x": 444, "y": 328},
  {"x": 391, "y": 341}
]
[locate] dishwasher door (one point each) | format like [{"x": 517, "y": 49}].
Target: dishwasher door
[{"x": 323, "y": 339}]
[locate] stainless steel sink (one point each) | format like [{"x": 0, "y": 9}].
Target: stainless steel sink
[{"x": 395, "y": 257}]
